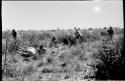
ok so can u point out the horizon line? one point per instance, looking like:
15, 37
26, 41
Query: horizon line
60, 28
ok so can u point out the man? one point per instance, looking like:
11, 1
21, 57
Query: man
14, 34
54, 41
110, 32
77, 35
41, 50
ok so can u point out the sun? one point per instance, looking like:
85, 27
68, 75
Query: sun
96, 9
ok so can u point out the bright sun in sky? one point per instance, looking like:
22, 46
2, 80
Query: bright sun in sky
96, 9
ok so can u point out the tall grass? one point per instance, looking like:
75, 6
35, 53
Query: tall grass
111, 54
100, 59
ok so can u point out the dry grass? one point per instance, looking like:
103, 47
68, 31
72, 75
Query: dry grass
87, 60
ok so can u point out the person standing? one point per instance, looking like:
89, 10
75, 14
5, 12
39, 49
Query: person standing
110, 32
77, 35
14, 36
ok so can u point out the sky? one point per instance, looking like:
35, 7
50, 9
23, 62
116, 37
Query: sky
47, 15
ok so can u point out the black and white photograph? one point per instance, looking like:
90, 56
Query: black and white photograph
62, 40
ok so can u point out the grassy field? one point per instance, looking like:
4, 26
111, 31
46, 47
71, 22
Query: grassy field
96, 57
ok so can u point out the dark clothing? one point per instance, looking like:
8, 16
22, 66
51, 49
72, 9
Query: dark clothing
14, 34
41, 47
54, 40
65, 41
41, 51
77, 35
72, 41
110, 32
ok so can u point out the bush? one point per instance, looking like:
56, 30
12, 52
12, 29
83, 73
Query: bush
112, 57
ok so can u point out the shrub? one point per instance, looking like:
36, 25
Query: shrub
111, 56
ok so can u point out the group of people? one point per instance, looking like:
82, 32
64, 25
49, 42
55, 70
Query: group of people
109, 31
39, 50
77, 35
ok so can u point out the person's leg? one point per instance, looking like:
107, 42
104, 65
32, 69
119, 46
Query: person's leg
15, 44
110, 37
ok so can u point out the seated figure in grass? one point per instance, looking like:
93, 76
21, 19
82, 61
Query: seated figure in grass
14, 39
41, 50
14, 34
53, 42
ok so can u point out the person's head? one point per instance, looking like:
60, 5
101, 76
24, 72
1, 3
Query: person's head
41, 47
105, 28
78, 28
110, 27
13, 30
53, 38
